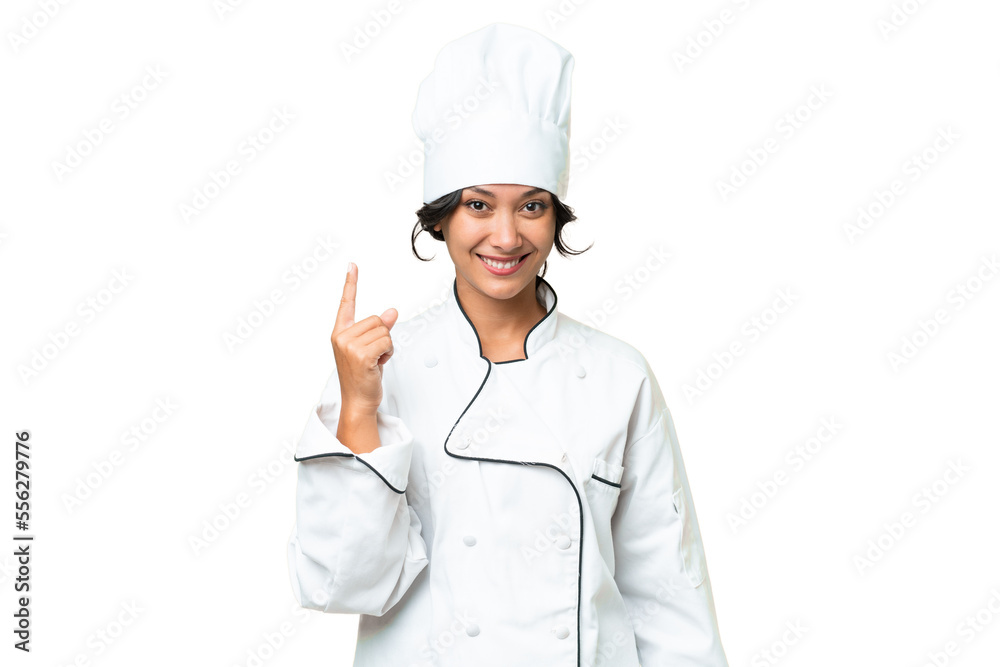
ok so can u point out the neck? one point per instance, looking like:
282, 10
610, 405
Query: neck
501, 320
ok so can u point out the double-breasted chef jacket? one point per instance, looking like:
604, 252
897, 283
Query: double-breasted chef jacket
527, 512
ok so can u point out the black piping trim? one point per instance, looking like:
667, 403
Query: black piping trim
555, 300
608, 482
579, 502
380, 476
320, 456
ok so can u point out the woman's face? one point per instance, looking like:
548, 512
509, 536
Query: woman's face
504, 222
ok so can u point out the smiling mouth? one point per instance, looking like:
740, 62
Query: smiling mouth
487, 260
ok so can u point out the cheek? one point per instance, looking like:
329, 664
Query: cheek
549, 237
460, 232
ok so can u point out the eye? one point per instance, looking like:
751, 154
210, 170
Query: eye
472, 203
539, 206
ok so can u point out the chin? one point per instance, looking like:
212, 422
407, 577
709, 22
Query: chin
503, 287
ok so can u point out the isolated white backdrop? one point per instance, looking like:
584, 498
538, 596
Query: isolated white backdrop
653, 136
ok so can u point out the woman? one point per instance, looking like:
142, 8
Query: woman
496, 483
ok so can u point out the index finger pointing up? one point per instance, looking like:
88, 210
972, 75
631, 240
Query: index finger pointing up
345, 314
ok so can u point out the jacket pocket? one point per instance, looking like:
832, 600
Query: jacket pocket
602, 489
692, 551
608, 473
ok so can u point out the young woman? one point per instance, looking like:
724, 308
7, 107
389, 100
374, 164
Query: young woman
493, 482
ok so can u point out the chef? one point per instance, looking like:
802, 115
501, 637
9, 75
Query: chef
492, 482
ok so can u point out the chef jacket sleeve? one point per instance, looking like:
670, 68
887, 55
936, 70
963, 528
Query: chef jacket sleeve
356, 545
660, 565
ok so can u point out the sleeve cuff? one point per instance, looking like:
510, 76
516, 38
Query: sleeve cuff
390, 461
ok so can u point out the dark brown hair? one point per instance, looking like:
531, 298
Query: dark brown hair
438, 210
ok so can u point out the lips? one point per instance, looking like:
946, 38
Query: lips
514, 268
503, 260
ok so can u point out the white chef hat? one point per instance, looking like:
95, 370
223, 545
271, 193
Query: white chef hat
496, 109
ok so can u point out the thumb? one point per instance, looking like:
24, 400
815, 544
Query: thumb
389, 317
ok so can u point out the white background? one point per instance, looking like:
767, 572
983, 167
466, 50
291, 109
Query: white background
683, 128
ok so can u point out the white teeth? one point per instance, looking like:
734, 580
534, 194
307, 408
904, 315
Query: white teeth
498, 265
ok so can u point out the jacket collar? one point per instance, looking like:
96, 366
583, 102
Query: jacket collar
543, 332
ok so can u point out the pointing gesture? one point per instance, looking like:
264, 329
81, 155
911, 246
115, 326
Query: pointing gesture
360, 350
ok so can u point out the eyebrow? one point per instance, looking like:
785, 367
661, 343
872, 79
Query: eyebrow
484, 191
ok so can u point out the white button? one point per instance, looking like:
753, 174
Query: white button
472, 629
562, 632
563, 542
470, 540
460, 440
430, 361
580, 371
467, 439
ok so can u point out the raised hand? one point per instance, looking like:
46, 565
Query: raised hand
360, 349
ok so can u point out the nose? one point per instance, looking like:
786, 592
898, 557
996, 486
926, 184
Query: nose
505, 233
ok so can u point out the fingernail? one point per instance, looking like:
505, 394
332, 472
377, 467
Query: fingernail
349, 265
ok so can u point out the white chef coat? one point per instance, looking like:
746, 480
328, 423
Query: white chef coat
526, 512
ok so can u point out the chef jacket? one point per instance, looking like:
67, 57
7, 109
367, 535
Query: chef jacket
529, 511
